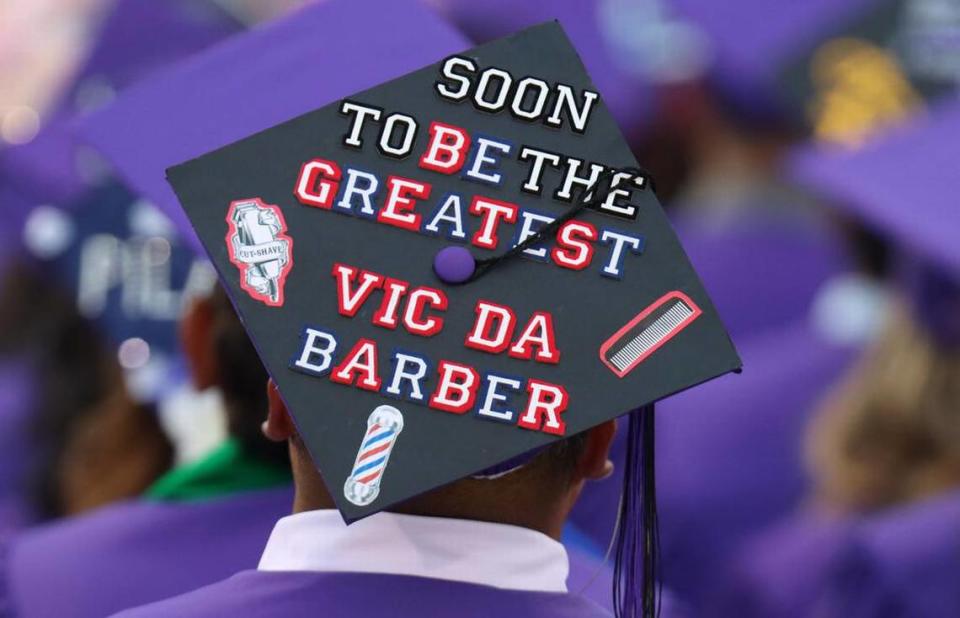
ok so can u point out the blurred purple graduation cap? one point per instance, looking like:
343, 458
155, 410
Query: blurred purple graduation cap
904, 185
762, 272
767, 60
289, 70
136, 38
751, 39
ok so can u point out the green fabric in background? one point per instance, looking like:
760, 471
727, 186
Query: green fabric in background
226, 470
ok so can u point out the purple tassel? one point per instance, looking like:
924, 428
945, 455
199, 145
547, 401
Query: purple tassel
636, 587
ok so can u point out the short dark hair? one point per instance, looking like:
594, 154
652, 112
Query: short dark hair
560, 459
243, 382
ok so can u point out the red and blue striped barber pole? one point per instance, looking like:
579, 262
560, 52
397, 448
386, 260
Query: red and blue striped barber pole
383, 426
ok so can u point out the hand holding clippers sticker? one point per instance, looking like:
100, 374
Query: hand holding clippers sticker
259, 246
383, 426
645, 333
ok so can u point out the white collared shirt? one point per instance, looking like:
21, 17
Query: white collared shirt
475, 552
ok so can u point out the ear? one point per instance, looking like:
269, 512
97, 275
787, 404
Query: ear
196, 339
279, 426
595, 462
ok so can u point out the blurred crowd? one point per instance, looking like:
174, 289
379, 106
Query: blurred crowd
807, 155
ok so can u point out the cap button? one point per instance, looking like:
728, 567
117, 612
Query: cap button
454, 264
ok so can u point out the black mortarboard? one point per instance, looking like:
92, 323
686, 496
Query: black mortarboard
370, 247
326, 229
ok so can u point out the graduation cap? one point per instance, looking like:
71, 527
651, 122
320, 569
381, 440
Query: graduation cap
873, 68
903, 184
122, 262
135, 38
840, 68
463, 263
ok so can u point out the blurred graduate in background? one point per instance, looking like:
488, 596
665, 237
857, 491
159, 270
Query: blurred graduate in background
881, 533
91, 305
93, 286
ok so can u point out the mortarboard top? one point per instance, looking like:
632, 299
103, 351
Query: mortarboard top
288, 69
591, 328
903, 184
627, 95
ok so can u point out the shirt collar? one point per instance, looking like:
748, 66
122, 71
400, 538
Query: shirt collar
475, 552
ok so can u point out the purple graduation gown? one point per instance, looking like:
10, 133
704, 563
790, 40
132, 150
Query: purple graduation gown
255, 594
905, 562
728, 456
137, 552
16, 397
762, 271
902, 562
783, 571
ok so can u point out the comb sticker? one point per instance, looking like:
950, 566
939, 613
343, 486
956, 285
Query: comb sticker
647, 332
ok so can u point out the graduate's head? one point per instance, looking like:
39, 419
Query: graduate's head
890, 433
538, 492
221, 356
92, 443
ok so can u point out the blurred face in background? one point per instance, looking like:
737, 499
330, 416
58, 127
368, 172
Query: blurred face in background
890, 433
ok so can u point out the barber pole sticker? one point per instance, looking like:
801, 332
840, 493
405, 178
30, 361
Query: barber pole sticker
647, 332
383, 426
